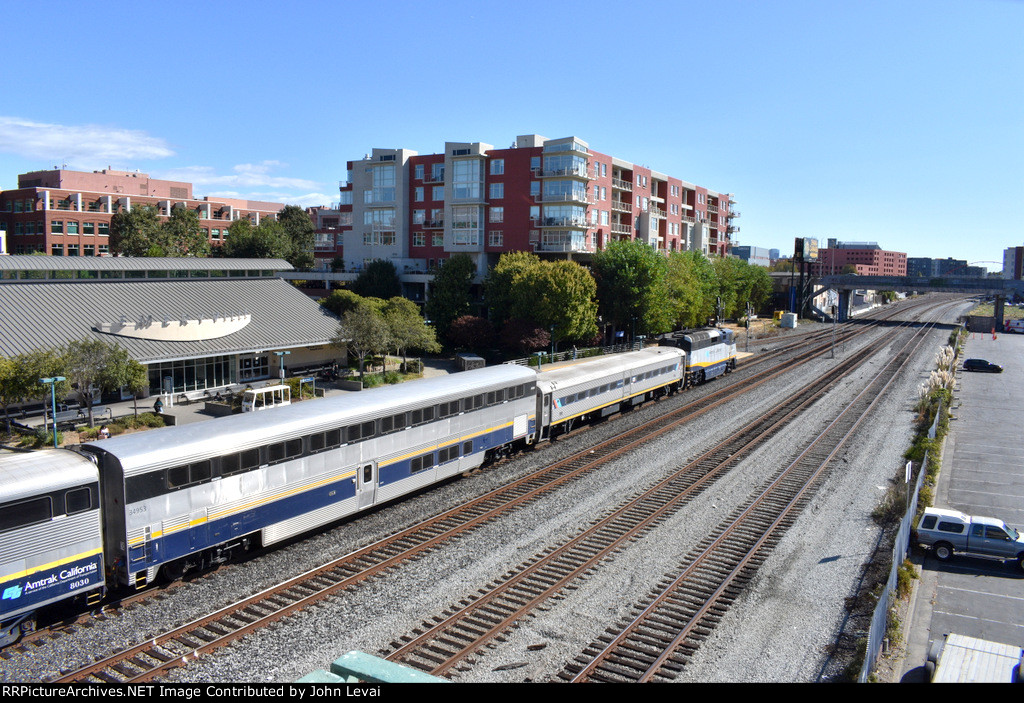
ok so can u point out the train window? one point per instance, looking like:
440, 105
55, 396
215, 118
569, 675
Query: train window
177, 477
200, 471
316, 442
28, 512
416, 417
362, 431
448, 409
332, 438
250, 459
229, 465
428, 414
77, 500
492, 398
422, 462
386, 425
447, 454
281, 451
467, 448
400, 421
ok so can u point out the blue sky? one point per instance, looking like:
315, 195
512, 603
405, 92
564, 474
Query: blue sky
898, 122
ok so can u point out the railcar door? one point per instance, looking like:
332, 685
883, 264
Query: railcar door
366, 485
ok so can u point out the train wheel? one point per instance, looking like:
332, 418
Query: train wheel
173, 570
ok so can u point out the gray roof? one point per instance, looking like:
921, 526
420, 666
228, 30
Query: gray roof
24, 262
50, 314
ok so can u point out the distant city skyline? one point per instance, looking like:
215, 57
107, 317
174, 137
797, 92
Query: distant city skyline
894, 122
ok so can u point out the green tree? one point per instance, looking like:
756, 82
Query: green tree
267, 241
341, 301
450, 291
559, 295
182, 234
408, 329
300, 233
691, 285
135, 232
502, 281
379, 279
631, 288
363, 332
19, 378
94, 366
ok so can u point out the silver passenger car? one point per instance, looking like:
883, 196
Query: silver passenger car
51, 546
603, 386
186, 497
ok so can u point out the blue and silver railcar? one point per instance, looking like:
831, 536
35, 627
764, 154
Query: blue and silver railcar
186, 497
601, 387
51, 545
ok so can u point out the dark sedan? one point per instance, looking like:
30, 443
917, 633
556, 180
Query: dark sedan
982, 365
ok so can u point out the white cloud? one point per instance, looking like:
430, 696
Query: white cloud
82, 146
245, 176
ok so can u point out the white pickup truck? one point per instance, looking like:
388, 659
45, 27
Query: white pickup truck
949, 531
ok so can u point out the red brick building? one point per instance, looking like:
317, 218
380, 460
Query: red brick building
555, 197
67, 213
867, 258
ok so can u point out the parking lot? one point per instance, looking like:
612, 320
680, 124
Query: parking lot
982, 474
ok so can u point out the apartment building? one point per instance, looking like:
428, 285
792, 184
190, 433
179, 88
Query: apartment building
555, 197
67, 213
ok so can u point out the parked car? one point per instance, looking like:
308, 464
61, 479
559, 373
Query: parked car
950, 531
982, 365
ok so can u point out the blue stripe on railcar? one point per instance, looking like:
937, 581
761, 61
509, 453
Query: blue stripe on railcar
173, 545
51, 583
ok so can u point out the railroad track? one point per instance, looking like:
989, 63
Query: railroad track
172, 649
665, 631
450, 640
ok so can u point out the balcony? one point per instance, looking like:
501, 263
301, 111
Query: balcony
434, 177
433, 224
622, 185
573, 197
622, 206
622, 230
563, 222
564, 242
565, 172
656, 212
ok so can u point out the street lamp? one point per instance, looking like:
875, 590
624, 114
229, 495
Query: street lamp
280, 362
53, 403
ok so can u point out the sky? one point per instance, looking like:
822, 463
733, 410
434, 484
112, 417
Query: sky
898, 122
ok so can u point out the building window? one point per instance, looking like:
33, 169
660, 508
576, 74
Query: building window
418, 194
57, 227
89, 250
497, 214
604, 193
418, 172
497, 191
419, 239
437, 193
72, 250
495, 239
419, 216
88, 228
497, 167
103, 229
437, 240
534, 189
57, 250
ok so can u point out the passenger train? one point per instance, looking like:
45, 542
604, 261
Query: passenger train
121, 511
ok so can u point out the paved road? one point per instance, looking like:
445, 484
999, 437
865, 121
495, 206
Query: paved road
982, 473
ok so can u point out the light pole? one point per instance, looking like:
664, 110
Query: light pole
53, 403
280, 362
